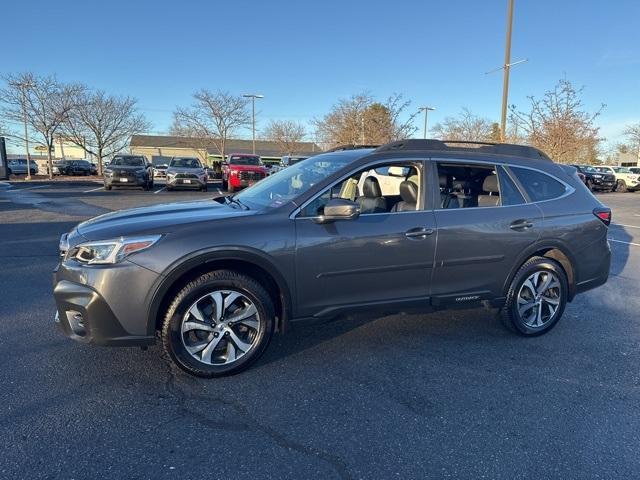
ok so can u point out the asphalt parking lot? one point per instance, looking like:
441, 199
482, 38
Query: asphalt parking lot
445, 395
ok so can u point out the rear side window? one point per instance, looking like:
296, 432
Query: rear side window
539, 186
508, 191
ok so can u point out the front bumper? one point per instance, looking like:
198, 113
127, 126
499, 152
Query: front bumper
108, 316
125, 181
599, 184
186, 182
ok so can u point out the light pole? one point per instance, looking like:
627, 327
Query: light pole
23, 87
507, 67
253, 97
426, 111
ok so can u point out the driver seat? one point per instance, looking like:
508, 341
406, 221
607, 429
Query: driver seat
372, 200
409, 194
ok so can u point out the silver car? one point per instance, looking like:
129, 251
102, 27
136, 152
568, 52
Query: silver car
186, 172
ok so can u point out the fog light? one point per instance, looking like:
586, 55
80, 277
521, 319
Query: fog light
76, 322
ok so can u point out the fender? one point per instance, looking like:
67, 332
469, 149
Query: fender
200, 257
544, 244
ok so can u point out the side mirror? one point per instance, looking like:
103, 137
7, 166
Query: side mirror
339, 209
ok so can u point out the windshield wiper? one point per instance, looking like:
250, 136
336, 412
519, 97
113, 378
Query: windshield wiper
232, 200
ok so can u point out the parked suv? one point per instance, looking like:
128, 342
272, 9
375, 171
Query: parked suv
74, 167
186, 172
128, 171
19, 167
596, 180
242, 170
416, 225
626, 180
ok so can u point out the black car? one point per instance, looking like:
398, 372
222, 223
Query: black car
416, 225
129, 171
595, 180
73, 167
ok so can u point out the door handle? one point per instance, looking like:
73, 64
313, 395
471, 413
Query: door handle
418, 232
521, 225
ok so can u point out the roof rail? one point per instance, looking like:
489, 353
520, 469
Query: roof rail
413, 144
350, 146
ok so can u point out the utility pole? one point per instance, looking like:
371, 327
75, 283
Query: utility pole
426, 111
23, 86
253, 97
507, 67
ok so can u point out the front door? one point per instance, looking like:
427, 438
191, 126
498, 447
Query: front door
379, 258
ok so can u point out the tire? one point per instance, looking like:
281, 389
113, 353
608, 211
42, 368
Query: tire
589, 185
168, 188
515, 314
204, 188
108, 187
621, 186
231, 189
198, 296
225, 184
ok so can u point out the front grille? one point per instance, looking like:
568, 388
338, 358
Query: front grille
250, 176
609, 178
186, 175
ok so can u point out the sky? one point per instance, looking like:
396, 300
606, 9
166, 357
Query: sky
303, 56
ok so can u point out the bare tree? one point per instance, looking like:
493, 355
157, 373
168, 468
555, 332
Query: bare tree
47, 104
361, 120
103, 124
214, 116
467, 127
632, 132
287, 134
558, 124
193, 138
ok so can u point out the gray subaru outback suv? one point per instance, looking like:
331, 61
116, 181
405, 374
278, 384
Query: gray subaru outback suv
415, 225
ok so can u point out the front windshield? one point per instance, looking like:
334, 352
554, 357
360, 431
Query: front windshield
186, 163
244, 160
622, 170
589, 169
279, 188
128, 161
602, 169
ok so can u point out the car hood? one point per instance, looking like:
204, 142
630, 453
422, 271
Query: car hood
184, 170
156, 219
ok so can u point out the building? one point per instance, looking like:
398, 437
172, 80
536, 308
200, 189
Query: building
160, 148
627, 159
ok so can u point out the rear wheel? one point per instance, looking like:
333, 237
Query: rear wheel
219, 324
536, 298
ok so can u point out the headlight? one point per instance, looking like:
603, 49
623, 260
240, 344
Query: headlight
597, 176
110, 251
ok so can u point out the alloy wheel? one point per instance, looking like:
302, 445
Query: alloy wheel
221, 327
539, 298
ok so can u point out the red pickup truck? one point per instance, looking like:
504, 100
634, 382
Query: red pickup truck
242, 170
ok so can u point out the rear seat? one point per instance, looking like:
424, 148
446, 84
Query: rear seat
491, 199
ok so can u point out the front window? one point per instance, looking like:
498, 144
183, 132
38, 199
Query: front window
185, 163
244, 160
621, 170
128, 161
279, 188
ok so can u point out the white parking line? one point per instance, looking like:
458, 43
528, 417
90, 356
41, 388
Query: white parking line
219, 191
93, 190
627, 243
623, 225
158, 191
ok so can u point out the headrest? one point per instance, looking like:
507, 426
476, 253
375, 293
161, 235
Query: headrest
490, 184
461, 185
444, 180
371, 188
409, 191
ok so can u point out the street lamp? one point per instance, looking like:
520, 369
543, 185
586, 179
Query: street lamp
253, 97
426, 110
23, 87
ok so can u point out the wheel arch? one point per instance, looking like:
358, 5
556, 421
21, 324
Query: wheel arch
253, 263
554, 250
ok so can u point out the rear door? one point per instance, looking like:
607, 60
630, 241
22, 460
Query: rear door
478, 242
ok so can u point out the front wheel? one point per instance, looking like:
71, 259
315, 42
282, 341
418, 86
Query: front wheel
536, 298
590, 185
621, 186
219, 324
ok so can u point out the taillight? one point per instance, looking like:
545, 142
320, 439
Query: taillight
603, 214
